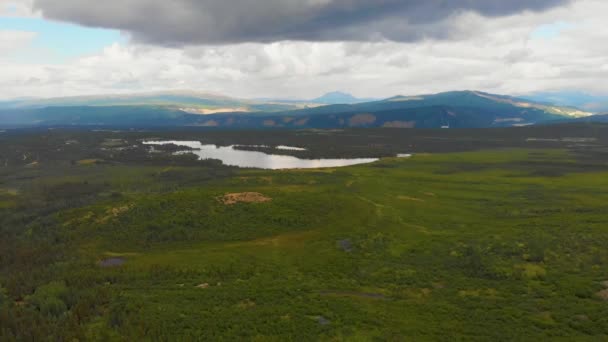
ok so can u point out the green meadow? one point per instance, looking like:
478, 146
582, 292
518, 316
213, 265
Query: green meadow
504, 244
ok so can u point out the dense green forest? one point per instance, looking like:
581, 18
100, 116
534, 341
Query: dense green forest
481, 235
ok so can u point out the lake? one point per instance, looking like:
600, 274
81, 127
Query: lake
260, 160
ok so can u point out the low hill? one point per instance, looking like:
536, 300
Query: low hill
132, 116
188, 101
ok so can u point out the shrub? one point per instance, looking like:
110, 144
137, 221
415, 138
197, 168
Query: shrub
50, 299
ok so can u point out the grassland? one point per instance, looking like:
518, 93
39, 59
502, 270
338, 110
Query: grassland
502, 244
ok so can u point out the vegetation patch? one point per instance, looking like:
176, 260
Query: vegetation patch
114, 213
487, 256
532, 271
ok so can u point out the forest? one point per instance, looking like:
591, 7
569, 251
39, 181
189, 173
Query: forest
490, 234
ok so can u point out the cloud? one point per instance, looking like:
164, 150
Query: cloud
193, 22
12, 40
16, 8
499, 55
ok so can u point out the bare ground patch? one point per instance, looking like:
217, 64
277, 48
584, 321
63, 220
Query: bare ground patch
244, 197
603, 294
114, 213
361, 120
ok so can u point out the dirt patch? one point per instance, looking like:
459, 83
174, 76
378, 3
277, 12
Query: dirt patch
269, 123
246, 304
210, 123
244, 197
301, 122
114, 212
9, 192
603, 294
203, 286
361, 120
266, 179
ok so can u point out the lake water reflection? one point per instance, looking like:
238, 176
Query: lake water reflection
253, 159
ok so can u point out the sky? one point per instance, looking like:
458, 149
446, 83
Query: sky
301, 48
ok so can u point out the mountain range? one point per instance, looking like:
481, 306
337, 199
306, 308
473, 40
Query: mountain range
457, 109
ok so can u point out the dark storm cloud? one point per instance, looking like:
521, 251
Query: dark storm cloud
183, 22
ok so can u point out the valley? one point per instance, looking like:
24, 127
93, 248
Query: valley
491, 234
319, 170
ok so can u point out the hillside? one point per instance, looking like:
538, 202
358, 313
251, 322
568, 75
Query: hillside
188, 101
491, 103
463, 109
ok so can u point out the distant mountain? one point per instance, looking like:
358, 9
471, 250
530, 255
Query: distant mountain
585, 101
338, 97
459, 109
189, 101
484, 103
119, 116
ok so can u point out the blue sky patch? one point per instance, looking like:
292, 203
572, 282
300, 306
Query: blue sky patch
551, 31
62, 41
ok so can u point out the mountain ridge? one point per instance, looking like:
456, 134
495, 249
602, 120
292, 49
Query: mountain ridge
456, 109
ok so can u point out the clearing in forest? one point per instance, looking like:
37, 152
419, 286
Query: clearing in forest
244, 197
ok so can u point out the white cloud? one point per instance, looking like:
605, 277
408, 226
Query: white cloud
11, 41
17, 8
498, 55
